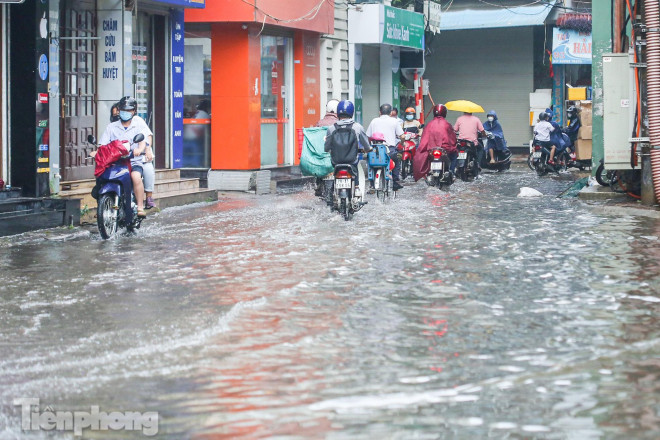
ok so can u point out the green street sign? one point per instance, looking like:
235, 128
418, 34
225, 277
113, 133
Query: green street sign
403, 28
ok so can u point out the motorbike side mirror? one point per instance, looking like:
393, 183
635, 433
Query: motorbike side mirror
422, 126
138, 138
91, 139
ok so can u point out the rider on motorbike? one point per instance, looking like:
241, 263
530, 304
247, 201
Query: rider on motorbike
437, 133
410, 124
573, 126
338, 153
495, 135
556, 137
469, 127
542, 134
393, 132
128, 126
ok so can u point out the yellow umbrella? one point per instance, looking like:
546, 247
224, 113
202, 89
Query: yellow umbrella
464, 106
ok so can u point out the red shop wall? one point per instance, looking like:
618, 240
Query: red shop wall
275, 12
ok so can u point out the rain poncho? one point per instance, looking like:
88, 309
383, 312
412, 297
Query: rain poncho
437, 133
556, 136
499, 143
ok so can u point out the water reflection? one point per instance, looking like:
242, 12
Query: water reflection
461, 314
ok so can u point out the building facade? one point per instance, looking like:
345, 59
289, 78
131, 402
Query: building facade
87, 55
252, 77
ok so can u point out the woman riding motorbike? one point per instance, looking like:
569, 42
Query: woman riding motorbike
495, 134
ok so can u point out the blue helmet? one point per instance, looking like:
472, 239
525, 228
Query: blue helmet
345, 108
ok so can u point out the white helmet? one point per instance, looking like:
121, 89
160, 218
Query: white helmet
331, 106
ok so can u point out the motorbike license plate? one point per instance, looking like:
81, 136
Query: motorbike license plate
462, 155
343, 183
537, 155
436, 165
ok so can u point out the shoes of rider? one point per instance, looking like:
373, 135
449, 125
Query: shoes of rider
396, 186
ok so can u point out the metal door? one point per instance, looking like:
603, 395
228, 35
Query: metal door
78, 82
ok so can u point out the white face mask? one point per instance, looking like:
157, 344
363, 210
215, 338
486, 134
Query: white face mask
409, 117
491, 118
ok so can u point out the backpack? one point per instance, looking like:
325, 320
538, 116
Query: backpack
344, 143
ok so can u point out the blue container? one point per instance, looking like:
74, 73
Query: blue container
378, 157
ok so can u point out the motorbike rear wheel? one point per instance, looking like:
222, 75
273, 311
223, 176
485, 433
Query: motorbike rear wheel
541, 168
603, 177
530, 162
344, 209
106, 216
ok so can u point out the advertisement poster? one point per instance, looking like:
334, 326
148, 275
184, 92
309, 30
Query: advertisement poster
42, 74
177, 87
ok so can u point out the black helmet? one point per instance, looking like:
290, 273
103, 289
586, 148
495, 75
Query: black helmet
128, 103
571, 111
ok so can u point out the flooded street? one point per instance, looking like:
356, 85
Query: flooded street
465, 314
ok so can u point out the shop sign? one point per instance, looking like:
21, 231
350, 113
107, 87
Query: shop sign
403, 28
185, 3
178, 48
570, 47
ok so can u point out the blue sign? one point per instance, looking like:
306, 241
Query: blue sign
43, 147
178, 47
570, 47
43, 67
185, 3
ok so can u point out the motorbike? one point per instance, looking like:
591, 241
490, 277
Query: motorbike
571, 159
467, 165
406, 149
502, 160
539, 159
379, 174
114, 191
439, 174
347, 199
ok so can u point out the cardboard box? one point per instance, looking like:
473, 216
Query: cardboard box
584, 132
577, 93
585, 113
583, 149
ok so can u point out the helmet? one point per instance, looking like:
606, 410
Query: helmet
331, 106
440, 110
345, 108
385, 109
543, 116
378, 137
571, 111
410, 110
127, 103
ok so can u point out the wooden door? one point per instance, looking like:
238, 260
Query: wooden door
78, 84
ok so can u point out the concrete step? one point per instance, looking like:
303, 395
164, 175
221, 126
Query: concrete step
73, 185
291, 183
12, 193
178, 198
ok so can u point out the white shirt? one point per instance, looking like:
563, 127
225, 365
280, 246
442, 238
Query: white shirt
116, 131
388, 126
542, 131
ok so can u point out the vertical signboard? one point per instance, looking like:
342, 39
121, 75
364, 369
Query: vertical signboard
42, 113
358, 83
558, 95
140, 70
54, 94
109, 59
176, 17
396, 79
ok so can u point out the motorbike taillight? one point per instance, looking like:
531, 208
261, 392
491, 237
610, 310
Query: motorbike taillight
461, 151
437, 154
343, 174
537, 147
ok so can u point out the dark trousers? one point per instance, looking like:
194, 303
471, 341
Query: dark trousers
396, 172
453, 157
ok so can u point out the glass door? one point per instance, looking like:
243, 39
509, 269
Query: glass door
276, 101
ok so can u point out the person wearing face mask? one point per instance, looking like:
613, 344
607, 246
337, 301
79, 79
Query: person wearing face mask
495, 134
125, 129
572, 128
410, 124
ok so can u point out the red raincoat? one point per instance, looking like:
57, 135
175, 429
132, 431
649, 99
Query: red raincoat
437, 133
109, 154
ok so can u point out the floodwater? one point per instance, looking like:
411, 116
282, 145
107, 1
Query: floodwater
465, 314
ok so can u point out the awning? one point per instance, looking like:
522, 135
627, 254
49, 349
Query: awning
184, 3
517, 16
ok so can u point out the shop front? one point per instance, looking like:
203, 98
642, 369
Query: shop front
252, 78
377, 37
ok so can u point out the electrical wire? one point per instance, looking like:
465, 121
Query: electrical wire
310, 15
